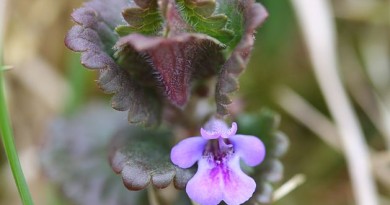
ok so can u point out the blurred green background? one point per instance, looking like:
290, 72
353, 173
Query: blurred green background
48, 80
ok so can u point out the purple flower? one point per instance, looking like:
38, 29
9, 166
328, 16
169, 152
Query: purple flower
218, 152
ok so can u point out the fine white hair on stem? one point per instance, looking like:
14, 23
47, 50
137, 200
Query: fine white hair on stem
316, 20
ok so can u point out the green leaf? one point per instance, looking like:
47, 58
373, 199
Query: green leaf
199, 14
142, 157
147, 21
264, 124
234, 10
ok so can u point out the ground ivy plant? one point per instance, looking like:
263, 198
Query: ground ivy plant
172, 65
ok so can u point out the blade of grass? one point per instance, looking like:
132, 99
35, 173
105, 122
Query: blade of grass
301, 110
152, 196
9, 145
318, 28
289, 186
5, 68
6, 129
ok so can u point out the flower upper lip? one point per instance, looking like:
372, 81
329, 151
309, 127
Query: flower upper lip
217, 130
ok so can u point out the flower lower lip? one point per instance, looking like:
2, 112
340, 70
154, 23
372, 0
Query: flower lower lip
219, 165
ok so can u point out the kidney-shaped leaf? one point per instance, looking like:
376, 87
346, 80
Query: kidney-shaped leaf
141, 157
74, 157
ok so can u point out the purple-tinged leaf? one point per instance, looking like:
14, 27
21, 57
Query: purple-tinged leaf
185, 44
175, 22
141, 157
145, 3
93, 36
254, 15
176, 59
74, 157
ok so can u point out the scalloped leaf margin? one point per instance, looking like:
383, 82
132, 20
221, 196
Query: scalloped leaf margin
254, 15
142, 157
93, 37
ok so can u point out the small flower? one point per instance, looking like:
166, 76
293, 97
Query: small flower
218, 152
